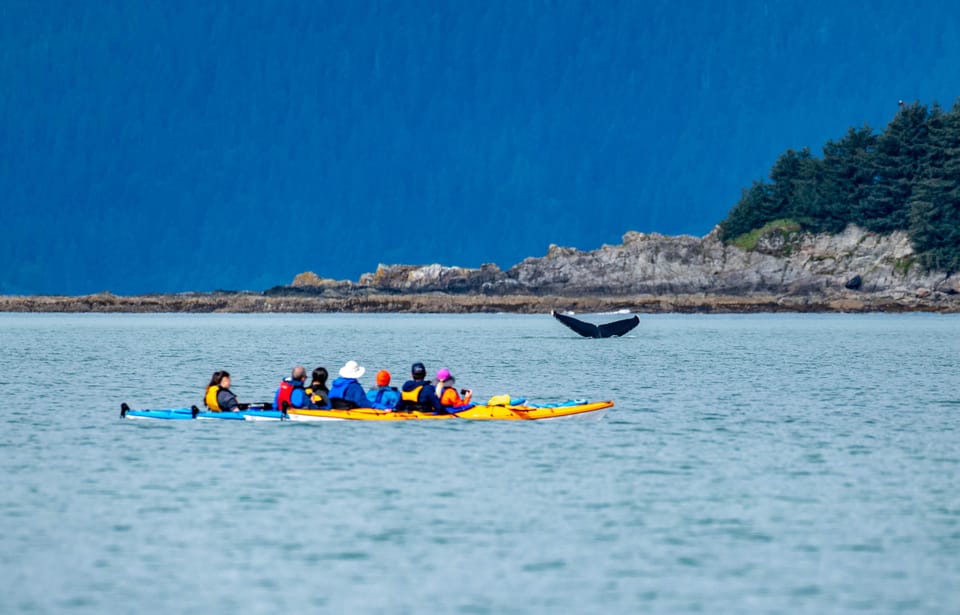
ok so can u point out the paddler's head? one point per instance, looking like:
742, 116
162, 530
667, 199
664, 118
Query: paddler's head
418, 371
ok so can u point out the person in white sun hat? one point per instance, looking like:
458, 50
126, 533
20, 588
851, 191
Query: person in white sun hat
346, 392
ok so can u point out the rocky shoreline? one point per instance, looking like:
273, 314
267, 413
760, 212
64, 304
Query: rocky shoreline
854, 271
250, 303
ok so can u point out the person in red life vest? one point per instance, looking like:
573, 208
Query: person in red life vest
419, 394
291, 391
447, 390
384, 397
347, 392
219, 397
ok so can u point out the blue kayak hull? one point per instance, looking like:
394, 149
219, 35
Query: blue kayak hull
171, 414
180, 414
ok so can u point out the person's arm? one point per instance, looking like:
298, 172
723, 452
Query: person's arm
227, 401
298, 398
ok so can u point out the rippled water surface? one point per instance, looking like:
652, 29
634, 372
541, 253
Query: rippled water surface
769, 464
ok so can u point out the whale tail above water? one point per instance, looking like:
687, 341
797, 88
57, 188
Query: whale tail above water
588, 329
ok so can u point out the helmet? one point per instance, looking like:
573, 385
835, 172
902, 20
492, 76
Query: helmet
418, 371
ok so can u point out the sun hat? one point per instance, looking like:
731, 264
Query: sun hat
443, 374
383, 378
352, 370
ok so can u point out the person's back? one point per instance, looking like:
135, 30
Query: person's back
384, 397
418, 393
347, 392
291, 393
317, 392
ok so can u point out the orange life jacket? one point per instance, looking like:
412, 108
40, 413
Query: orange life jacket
450, 397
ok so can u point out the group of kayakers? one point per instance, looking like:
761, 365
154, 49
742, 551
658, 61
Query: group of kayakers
346, 392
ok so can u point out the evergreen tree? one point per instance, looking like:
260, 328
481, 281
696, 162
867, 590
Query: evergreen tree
754, 209
935, 201
790, 174
901, 150
848, 170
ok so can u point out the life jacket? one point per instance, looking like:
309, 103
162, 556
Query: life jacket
317, 396
450, 397
285, 392
378, 401
210, 398
413, 395
409, 400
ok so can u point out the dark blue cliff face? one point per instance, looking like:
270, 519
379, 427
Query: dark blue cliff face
186, 146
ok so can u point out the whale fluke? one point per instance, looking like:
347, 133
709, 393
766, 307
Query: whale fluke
588, 329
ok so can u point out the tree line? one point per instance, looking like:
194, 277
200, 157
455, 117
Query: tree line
905, 178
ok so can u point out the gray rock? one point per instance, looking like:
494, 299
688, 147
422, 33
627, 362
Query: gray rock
785, 264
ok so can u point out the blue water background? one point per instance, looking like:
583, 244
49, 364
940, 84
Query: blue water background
764, 463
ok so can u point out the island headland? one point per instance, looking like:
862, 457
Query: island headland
784, 271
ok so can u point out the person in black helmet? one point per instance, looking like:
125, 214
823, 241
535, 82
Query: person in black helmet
419, 394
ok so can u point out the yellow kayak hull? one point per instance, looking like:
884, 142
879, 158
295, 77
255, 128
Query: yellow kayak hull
475, 413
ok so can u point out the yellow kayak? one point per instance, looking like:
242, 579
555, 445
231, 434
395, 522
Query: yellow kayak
474, 413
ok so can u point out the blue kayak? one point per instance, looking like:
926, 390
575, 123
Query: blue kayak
178, 414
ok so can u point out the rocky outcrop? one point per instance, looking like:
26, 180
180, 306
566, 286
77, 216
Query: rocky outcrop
432, 278
792, 264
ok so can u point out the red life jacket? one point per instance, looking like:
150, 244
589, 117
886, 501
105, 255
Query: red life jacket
284, 393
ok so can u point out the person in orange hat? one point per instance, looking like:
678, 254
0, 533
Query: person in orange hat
384, 397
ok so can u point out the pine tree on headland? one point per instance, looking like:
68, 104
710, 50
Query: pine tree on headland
901, 151
935, 201
848, 169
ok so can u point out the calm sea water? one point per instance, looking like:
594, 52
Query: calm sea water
768, 464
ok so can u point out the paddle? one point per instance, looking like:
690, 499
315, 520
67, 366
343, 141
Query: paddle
263, 405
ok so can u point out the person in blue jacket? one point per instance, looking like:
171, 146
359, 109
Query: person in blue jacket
347, 392
291, 391
419, 394
384, 397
